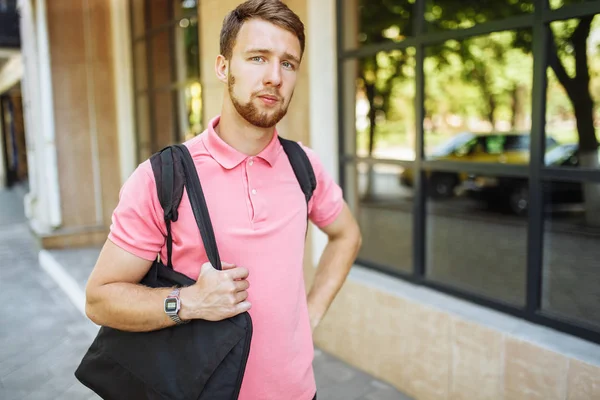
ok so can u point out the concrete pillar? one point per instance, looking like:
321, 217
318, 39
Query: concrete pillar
79, 120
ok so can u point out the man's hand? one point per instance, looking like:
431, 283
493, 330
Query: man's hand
216, 295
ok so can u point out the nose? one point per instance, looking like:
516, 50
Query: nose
273, 75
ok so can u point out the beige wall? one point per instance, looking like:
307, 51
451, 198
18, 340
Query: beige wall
84, 111
430, 354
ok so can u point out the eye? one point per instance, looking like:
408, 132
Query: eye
288, 65
257, 59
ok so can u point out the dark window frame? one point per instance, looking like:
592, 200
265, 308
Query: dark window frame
536, 171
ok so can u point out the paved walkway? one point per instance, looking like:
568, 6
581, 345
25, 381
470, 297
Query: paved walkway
44, 334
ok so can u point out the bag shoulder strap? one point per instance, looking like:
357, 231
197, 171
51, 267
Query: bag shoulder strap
199, 207
174, 169
302, 167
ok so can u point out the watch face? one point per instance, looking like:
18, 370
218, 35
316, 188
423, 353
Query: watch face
171, 305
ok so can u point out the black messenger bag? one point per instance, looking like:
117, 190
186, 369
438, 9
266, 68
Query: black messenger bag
200, 360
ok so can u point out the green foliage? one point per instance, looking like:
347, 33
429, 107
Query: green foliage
485, 79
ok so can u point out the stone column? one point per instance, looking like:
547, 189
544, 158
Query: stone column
78, 139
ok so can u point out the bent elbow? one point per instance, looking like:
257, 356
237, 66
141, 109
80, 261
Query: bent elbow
91, 307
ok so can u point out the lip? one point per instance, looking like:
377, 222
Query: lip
269, 98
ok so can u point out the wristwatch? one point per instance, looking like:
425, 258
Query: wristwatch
173, 305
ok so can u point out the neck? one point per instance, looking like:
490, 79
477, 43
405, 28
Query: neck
240, 134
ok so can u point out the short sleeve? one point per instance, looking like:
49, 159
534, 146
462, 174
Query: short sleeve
136, 223
327, 201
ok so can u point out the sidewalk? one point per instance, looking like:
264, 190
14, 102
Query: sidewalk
45, 333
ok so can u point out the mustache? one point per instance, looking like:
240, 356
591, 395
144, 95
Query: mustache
270, 93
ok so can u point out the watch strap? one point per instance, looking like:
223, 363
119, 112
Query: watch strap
175, 316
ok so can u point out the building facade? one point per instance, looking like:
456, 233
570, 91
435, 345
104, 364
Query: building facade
462, 132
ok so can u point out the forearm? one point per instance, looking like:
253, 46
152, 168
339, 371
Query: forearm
128, 307
334, 266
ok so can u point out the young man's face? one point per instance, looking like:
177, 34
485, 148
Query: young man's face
262, 72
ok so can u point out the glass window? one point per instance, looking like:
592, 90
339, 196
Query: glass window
573, 93
187, 49
190, 111
169, 84
383, 206
572, 232
451, 14
477, 233
368, 22
554, 4
185, 8
384, 123
478, 99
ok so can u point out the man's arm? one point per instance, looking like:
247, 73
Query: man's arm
115, 299
335, 263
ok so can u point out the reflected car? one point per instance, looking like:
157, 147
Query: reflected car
504, 148
514, 192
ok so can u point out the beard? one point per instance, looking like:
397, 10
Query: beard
250, 112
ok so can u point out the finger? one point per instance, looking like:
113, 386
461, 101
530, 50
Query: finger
237, 273
242, 307
206, 267
241, 296
240, 285
226, 266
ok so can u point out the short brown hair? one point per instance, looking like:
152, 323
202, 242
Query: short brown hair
273, 11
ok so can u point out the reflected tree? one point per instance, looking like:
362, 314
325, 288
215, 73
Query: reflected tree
390, 20
568, 59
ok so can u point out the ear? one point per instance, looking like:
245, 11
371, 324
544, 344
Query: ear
222, 68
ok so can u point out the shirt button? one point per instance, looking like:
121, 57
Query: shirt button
251, 162
253, 191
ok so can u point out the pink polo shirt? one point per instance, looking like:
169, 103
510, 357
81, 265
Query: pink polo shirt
258, 212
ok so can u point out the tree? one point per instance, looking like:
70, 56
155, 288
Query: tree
571, 37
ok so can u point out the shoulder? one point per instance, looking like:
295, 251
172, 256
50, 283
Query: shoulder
196, 145
314, 158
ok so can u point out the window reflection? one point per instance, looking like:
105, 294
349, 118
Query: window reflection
478, 98
554, 4
185, 7
384, 212
169, 84
384, 111
190, 111
573, 92
377, 21
571, 252
451, 14
186, 42
477, 239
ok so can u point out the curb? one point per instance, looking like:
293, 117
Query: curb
62, 278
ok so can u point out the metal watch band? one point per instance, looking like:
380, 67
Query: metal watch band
175, 317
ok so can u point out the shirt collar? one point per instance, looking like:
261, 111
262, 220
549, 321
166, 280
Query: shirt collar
229, 157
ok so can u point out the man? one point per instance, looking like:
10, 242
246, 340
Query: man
258, 213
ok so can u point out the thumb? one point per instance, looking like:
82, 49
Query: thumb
225, 266
205, 268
